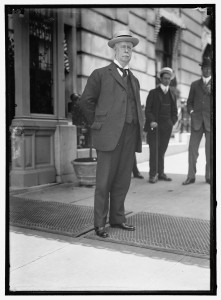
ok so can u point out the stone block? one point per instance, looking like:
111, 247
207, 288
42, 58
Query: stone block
93, 44
138, 62
151, 83
95, 22
65, 149
43, 149
27, 178
122, 15
190, 65
81, 83
151, 67
143, 79
191, 52
151, 50
192, 13
187, 78
28, 159
117, 26
191, 39
150, 34
150, 16
140, 12
23, 179
192, 25
142, 46
110, 12
138, 25
143, 97
184, 90
90, 63
47, 176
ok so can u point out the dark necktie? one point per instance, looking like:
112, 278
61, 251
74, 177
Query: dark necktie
124, 71
207, 86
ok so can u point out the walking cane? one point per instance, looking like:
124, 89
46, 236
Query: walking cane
156, 176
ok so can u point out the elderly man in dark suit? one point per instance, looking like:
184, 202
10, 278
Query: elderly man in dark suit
161, 115
111, 103
199, 105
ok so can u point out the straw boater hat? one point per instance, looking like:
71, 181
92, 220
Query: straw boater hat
123, 36
167, 71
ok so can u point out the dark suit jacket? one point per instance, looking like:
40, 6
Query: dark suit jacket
200, 101
153, 106
104, 103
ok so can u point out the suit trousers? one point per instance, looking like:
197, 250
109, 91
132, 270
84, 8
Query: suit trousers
195, 139
113, 178
164, 134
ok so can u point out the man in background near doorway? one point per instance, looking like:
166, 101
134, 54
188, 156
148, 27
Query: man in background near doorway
111, 103
199, 105
161, 115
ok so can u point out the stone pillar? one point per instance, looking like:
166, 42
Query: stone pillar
65, 152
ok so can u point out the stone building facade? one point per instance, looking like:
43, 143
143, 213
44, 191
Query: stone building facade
54, 52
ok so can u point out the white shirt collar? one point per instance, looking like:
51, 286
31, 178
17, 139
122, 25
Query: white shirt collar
164, 88
117, 63
206, 79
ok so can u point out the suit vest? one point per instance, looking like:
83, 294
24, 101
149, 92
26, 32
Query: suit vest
165, 111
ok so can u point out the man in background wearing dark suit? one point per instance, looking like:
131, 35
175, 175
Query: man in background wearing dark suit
111, 103
161, 115
198, 104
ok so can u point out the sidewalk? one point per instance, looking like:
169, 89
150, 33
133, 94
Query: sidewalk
48, 262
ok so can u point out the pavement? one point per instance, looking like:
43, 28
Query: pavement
41, 261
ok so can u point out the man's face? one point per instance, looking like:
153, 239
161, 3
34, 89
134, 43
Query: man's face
206, 71
165, 79
123, 52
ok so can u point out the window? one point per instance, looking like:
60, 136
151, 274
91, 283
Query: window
41, 61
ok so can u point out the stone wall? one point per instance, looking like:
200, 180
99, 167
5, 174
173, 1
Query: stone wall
97, 26
93, 36
191, 50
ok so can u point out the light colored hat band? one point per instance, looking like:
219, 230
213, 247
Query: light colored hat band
166, 72
123, 38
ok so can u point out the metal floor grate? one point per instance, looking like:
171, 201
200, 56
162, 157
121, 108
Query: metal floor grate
178, 235
61, 218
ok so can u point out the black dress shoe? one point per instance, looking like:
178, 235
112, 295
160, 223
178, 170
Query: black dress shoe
100, 231
208, 180
189, 181
153, 179
124, 226
164, 177
138, 175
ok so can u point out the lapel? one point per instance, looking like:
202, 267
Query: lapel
201, 84
116, 75
172, 95
160, 94
134, 85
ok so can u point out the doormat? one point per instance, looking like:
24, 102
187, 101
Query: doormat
49, 216
178, 235
54, 217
